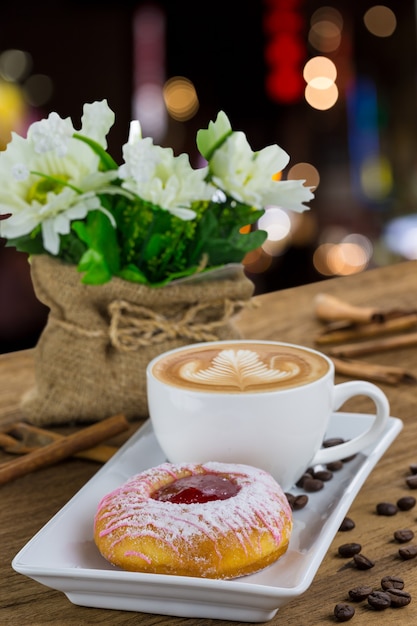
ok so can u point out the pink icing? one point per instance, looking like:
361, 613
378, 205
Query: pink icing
259, 503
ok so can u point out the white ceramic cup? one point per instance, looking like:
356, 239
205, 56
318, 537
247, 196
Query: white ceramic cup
262, 403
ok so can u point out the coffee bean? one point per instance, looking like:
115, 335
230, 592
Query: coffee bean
347, 524
343, 612
300, 502
399, 597
403, 535
386, 508
392, 582
408, 553
324, 475
362, 562
312, 484
349, 549
379, 600
406, 503
357, 594
290, 498
349, 458
296, 502
413, 468
332, 441
300, 481
412, 481
335, 466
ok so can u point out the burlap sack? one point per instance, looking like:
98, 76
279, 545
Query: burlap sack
91, 358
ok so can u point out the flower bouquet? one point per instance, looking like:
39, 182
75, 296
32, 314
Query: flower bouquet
132, 260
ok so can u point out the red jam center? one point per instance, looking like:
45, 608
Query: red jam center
197, 489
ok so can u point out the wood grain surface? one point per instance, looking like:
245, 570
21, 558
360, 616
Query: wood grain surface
30, 501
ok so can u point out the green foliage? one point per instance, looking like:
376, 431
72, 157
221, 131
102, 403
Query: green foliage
218, 232
157, 247
150, 245
31, 244
101, 260
106, 160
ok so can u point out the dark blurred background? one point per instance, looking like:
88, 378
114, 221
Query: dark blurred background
334, 84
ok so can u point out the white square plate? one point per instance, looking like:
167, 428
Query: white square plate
62, 555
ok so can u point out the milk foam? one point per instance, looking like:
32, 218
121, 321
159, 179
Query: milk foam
243, 367
236, 368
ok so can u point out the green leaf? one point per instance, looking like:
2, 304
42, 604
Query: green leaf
95, 268
101, 260
155, 246
98, 233
218, 233
31, 244
133, 274
233, 249
106, 160
211, 138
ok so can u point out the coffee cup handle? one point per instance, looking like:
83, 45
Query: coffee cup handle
342, 393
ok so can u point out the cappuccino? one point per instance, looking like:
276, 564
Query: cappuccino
250, 367
262, 403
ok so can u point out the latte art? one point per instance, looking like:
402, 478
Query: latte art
237, 368
240, 367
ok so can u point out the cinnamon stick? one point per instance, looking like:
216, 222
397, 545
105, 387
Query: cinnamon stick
63, 448
382, 344
373, 329
330, 308
370, 371
22, 438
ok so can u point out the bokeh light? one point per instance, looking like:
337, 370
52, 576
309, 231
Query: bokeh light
350, 255
361, 240
38, 89
306, 172
321, 91
321, 99
376, 178
180, 98
149, 70
380, 21
12, 111
257, 261
149, 108
15, 64
401, 236
320, 72
276, 222
325, 32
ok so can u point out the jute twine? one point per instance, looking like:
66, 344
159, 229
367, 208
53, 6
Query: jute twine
90, 361
133, 326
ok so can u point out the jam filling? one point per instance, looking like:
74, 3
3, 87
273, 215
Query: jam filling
197, 489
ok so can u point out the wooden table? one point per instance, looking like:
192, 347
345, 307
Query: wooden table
30, 501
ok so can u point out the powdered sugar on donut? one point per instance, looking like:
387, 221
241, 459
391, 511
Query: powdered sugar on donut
129, 515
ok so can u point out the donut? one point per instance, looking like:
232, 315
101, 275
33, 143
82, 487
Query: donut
211, 520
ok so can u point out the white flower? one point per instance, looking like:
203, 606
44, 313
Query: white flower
288, 194
42, 187
54, 216
20, 171
248, 176
96, 121
58, 174
135, 131
141, 159
52, 133
165, 180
